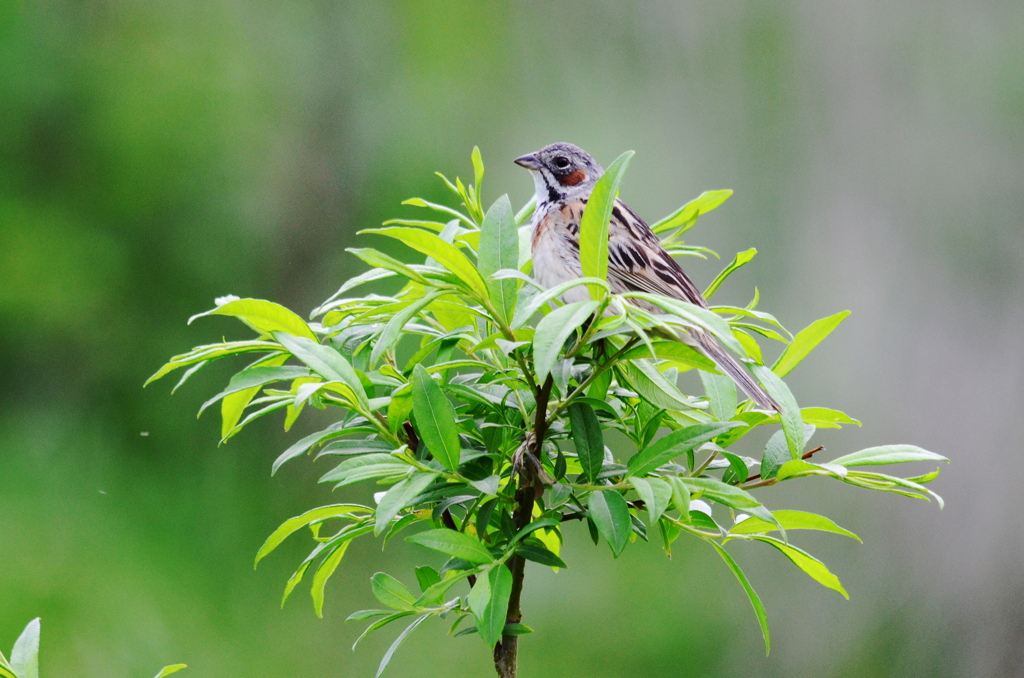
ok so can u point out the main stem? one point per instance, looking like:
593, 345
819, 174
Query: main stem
506, 652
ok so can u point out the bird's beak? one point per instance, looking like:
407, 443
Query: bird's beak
529, 161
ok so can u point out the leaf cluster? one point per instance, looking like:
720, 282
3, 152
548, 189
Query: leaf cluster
483, 406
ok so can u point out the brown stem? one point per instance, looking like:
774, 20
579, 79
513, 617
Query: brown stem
506, 651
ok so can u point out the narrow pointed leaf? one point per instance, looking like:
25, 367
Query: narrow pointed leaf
759, 611
792, 422
25, 655
887, 454
738, 261
552, 332
386, 659
391, 592
805, 341
435, 419
813, 567
610, 514
499, 249
444, 253
323, 573
325, 361
454, 544
588, 439
721, 391
488, 600
595, 221
168, 670
656, 494
398, 497
791, 520
687, 215
292, 525
263, 316
669, 447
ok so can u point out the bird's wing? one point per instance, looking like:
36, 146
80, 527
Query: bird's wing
637, 261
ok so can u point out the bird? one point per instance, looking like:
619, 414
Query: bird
564, 176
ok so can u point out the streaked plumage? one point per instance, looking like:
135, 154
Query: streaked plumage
564, 175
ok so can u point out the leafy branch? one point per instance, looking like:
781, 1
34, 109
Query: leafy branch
481, 403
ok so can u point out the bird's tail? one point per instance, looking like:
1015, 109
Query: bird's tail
737, 372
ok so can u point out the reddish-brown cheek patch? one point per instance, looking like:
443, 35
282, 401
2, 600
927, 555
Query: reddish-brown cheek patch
573, 179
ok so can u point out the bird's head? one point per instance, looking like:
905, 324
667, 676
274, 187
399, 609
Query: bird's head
561, 172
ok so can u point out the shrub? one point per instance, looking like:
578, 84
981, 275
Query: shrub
481, 403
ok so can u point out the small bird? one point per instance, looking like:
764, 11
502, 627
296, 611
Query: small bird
564, 176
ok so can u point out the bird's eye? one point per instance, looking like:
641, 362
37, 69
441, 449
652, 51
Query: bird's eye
561, 162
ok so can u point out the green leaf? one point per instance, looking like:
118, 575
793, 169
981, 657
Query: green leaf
674, 351
254, 377
454, 544
686, 216
776, 453
499, 249
655, 493
426, 577
540, 554
721, 391
608, 510
207, 352
380, 623
436, 591
792, 422
759, 611
326, 362
805, 341
25, 655
168, 670
534, 526
694, 316
814, 568
516, 629
435, 419
553, 330
669, 447
588, 439
738, 261
393, 330
527, 311
235, 401
292, 525
323, 573
790, 520
488, 600
478, 169
715, 489
595, 221
386, 659
381, 260
366, 467
263, 316
444, 253
391, 592
303, 445
823, 417
398, 497
680, 494
888, 454
653, 386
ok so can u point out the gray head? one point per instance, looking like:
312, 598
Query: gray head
561, 172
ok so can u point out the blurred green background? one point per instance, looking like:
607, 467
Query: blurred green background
155, 155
